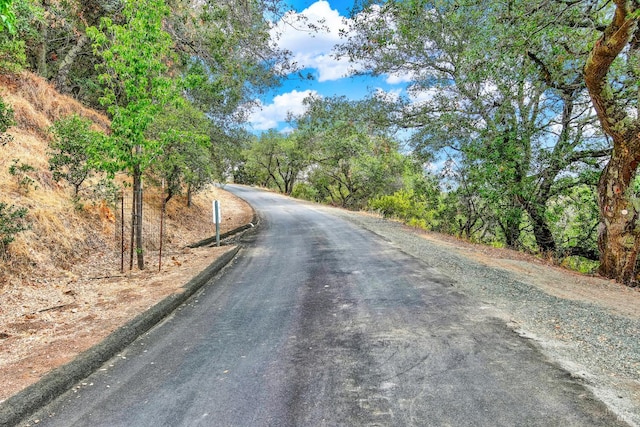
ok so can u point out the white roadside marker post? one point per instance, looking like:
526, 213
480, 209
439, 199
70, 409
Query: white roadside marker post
217, 218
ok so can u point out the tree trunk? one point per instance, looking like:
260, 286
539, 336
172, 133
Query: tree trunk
62, 78
511, 230
541, 230
41, 52
137, 200
542, 233
618, 237
510, 221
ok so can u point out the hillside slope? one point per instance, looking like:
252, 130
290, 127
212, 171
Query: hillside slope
61, 288
59, 235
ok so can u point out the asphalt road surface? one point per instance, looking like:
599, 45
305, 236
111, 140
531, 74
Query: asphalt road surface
320, 323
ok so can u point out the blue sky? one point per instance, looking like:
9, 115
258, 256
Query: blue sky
314, 53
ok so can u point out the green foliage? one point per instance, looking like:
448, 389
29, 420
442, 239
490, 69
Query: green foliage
136, 84
418, 223
305, 191
580, 264
12, 221
506, 102
18, 48
7, 16
185, 160
71, 148
575, 217
242, 175
351, 152
21, 173
12, 54
135, 81
227, 54
403, 204
409, 207
12, 48
276, 160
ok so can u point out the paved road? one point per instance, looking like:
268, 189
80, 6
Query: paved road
320, 323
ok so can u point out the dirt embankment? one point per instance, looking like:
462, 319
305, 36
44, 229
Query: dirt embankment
61, 289
45, 321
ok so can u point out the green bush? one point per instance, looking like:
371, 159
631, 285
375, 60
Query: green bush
418, 223
12, 222
580, 264
12, 55
20, 171
400, 205
73, 141
305, 192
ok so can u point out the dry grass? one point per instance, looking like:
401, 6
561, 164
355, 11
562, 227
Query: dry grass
61, 289
37, 104
60, 234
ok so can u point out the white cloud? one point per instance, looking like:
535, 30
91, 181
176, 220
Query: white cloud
268, 116
424, 95
398, 78
388, 95
313, 49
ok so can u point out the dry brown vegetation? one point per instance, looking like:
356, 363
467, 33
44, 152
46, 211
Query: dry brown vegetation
61, 289
59, 235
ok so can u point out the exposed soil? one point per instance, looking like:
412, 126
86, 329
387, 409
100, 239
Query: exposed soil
46, 321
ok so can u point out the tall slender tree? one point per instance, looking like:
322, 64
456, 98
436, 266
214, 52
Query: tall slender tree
136, 86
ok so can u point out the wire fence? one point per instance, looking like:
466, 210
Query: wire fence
153, 221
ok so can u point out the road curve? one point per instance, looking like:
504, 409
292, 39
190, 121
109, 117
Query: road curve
321, 323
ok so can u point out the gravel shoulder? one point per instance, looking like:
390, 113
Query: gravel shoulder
587, 325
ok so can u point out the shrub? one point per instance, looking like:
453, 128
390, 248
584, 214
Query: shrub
12, 222
20, 171
73, 141
305, 191
404, 205
397, 205
418, 223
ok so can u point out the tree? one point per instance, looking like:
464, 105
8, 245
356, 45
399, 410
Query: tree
72, 48
611, 75
70, 150
184, 162
136, 86
495, 111
353, 154
15, 45
277, 160
226, 54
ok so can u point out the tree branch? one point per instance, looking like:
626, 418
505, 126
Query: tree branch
614, 39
